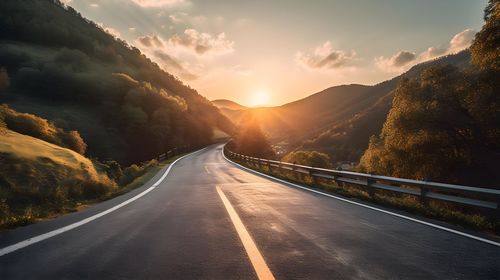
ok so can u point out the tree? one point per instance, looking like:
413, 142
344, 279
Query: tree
442, 126
485, 49
445, 125
308, 158
251, 141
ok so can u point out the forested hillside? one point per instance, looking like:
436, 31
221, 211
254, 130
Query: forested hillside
339, 120
445, 124
65, 68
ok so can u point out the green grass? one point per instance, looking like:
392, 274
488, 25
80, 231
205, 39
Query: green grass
462, 216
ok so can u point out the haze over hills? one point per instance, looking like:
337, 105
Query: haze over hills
338, 120
228, 104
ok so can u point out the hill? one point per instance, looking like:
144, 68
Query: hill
68, 70
338, 120
39, 179
228, 104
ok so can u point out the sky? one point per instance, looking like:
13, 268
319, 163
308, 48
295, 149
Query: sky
270, 52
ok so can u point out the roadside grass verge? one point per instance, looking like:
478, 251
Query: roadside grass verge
40, 180
442, 211
35, 211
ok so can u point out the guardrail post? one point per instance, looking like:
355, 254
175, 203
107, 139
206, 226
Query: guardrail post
497, 211
423, 198
370, 188
314, 178
337, 182
294, 173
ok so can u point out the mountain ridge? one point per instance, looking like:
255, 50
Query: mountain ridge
65, 68
338, 120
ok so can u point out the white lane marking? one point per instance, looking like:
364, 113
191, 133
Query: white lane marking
36, 239
491, 242
256, 258
206, 169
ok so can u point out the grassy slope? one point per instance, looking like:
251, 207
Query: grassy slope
32, 149
40, 180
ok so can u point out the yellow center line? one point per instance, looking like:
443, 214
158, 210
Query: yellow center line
206, 169
258, 262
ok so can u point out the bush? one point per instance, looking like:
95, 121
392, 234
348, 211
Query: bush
34, 188
135, 171
40, 128
112, 168
309, 158
251, 141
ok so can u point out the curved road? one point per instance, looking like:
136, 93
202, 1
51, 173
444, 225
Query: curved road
185, 229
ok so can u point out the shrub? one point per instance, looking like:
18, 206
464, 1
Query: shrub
309, 158
40, 128
136, 170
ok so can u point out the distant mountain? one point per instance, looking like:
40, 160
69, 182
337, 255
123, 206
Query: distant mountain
68, 70
338, 120
228, 104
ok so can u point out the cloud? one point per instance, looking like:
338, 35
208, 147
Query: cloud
397, 62
432, 52
157, 50
403, 60
324, 57
109, 30
152, 41
169, 64
202, 43
94, 5
112, 31
159, 3
461, 40
178, 17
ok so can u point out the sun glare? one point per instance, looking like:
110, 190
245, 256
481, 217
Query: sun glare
260, 98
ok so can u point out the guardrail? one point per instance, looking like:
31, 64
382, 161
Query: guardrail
176, 151
465, 195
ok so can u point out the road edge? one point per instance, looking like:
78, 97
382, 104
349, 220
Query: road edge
488, 241
30, 241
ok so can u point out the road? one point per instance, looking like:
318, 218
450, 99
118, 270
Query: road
193, 226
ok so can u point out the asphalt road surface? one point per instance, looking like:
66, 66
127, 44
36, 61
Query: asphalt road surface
209, 219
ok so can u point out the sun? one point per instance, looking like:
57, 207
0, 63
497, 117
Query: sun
260, 98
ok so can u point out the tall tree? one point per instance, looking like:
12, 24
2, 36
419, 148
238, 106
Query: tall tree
251, 141
485, 49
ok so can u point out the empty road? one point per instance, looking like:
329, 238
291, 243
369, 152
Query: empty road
209, 219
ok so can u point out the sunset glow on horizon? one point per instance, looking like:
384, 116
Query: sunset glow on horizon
226, 50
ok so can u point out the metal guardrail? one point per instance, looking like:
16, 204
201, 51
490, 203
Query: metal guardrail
465, 195
175, 151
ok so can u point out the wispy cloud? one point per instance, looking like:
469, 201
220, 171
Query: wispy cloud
403, 60
157, 49
202, 43
325, 57
109, 30
152, 41
397, 62
461, 40
160, 3
172, 64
